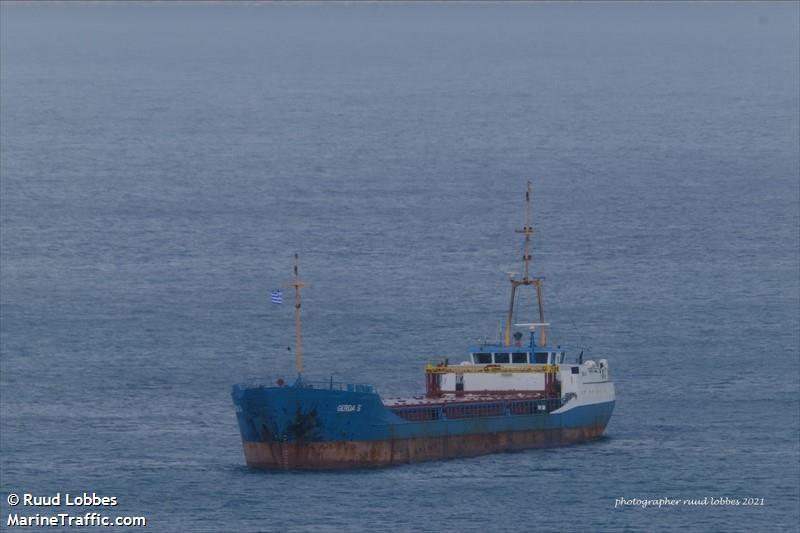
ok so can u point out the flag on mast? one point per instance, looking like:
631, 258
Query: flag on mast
277, 296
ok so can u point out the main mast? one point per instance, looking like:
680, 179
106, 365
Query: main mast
298, 337
527, 231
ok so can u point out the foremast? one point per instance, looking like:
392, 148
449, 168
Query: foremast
298, 335
526, 280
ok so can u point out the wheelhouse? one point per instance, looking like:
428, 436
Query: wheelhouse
505, 356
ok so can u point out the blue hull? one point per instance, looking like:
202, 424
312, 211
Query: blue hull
307, 428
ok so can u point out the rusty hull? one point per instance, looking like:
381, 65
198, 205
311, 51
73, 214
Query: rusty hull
371, 454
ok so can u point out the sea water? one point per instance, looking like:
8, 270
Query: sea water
161, 164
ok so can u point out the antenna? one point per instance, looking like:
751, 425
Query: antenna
298, 336
527, 230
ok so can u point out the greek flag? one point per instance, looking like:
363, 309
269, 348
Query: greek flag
277, 297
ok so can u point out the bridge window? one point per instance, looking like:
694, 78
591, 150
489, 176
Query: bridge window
540, 358
519, 358
502, 357
482, 358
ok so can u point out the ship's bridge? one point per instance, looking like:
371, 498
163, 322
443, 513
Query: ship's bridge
500, 368
497, 354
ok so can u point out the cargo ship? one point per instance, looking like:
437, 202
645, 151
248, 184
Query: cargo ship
517, 392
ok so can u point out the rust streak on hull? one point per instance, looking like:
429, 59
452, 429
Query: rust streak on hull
372, 454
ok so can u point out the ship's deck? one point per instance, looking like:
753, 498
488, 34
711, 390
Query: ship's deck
451, 398
476, 405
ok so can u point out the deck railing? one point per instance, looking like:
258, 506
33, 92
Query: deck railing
308, 384
491, 369
339, 385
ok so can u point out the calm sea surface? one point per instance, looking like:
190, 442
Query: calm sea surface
161, 164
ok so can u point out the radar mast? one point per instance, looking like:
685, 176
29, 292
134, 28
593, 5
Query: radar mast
527, 231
